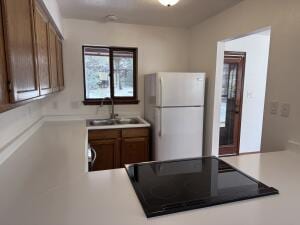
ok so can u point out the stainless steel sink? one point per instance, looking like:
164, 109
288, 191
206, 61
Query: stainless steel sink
128, 121
111, 122
107, 122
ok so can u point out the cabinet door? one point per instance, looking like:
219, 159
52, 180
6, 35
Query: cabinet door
106, 154
53, 58
4, 98
18, 25
134, 150
60, 68
41, 32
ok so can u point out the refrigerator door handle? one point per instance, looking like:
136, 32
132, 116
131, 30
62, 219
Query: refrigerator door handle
161, 91
160, 124
161, 111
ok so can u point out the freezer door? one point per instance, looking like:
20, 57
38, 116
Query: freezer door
178, 133
180, 89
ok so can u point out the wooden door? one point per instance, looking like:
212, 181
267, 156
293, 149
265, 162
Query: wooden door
106, 154
20, 49
60, 68
231, 103
4, 97
134, 150
53, 58
41, 32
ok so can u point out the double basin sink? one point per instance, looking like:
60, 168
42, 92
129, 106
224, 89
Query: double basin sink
111, 122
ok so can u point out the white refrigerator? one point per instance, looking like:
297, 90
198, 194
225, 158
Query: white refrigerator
174, 106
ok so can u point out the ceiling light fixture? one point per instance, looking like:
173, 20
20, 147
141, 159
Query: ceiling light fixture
168, 3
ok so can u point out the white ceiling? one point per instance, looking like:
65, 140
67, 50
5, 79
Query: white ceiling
149, 12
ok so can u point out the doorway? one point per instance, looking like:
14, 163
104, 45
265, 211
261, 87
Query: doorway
242, 66
231, 102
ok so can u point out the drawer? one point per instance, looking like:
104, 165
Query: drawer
104, 134
135, 132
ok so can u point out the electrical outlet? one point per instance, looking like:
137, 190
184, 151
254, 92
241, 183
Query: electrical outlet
285, 110
274, 108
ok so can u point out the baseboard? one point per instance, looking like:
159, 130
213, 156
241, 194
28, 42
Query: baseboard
12, 146
293, 145
250, 153
75, 117
71, 117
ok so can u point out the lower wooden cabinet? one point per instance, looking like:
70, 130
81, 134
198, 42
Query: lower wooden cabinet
134, 150
106, 151
116, 147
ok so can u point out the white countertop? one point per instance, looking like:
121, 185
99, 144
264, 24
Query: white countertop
44, 183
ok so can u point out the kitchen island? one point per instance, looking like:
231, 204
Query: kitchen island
45, 183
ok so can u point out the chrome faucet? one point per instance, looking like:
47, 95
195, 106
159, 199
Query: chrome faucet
112, 114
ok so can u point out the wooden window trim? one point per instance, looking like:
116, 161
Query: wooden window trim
117, 100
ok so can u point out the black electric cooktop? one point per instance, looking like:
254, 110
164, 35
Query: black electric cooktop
179, 185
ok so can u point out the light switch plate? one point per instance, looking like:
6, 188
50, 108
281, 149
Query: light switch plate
285, 110
274, 108
249, 94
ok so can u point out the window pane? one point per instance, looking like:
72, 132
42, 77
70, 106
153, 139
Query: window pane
97, 72
123, 73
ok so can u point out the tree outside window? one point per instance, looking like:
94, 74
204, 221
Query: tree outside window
110, 72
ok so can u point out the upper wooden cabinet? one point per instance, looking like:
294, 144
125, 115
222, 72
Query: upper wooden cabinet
53, 58
60, 67
30, 53
4, 99
20, 49
41, 34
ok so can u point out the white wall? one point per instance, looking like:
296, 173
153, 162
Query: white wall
283, 73
256, 47
53, 9
159, 49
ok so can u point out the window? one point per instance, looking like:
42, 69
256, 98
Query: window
110, 72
